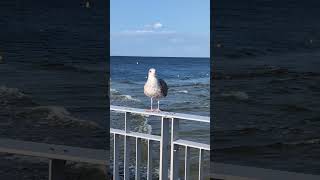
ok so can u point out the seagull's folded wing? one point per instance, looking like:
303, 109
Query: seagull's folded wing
163, 87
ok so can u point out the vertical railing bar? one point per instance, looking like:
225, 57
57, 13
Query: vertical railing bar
126, 150
56, 169
126, 157
174, 171
149, 163
201, 164
164, 149
138, 158
187, 163
116, 157
126, 124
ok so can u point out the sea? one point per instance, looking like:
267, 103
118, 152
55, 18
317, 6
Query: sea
188, 80
53, 83
266, 84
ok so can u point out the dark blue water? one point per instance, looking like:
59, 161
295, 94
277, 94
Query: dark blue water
267, 82
53, 81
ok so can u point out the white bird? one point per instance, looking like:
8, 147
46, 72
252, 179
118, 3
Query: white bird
155, 88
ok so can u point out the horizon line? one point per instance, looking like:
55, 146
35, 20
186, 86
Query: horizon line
161, 56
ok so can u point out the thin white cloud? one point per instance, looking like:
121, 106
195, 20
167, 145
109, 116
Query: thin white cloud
143, 31
157, 25
155, 28
146, 32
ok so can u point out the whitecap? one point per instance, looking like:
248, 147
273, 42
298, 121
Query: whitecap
56, 115
14, 92
184, 91
128, 97
113, 90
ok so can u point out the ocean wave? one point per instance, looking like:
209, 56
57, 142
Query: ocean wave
14, 97
145, 128
64, 67
294, 108
127, 81
251, 74
190, 84
238, 53
14, 92
116, 95
128, 97
183, 91
267, 71
113, 90
54, 116
19, 106
239, 95
139, 122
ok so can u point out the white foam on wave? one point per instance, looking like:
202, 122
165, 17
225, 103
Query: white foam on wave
146, 128
113, 90
117, 95
184, 91
13, 92
130, 98
308, 141
56, 115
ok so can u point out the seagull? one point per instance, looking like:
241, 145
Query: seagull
155, 88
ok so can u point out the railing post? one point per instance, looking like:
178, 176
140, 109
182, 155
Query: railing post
138, 157
187, 163
149, 163
201, 158
164, 149
174, 172
126, 150
56, 169
116, 157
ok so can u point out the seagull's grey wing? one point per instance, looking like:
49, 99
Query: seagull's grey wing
163, 87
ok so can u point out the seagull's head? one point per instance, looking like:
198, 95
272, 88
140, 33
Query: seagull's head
152, 72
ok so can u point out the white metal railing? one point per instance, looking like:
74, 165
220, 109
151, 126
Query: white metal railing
58, 155
235, 172
165, 142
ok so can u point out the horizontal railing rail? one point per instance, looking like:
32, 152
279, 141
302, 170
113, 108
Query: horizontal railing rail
168, 145
163, 114
221, 171
57, 154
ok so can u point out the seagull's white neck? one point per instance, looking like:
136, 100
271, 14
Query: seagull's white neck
152, 79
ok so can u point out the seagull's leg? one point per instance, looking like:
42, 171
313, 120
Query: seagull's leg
158, 106
151, 109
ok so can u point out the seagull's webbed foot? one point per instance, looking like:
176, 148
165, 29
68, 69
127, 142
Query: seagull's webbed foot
149, 110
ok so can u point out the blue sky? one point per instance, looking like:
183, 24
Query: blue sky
173, 28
